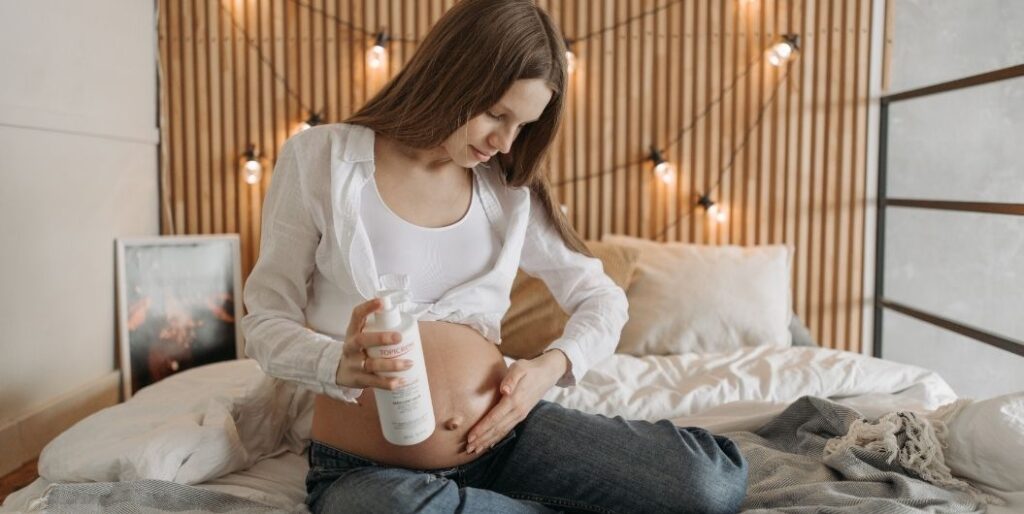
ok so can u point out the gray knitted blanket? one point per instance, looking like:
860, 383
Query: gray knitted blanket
143, 497
789, 474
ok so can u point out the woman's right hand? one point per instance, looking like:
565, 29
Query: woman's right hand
357, 369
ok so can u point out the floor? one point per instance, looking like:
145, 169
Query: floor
18, 478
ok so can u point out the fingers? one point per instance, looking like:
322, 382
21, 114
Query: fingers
379, 382
374, 365
493, 435
508, 384
356, 343
483, 435
368, 372
359, 314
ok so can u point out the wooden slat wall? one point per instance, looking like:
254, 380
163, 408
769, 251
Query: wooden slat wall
782, 149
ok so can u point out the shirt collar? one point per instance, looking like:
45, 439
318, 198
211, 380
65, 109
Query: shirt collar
359, 145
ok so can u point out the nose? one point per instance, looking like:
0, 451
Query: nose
502, 140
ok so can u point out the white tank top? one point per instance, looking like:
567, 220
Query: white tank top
435, 259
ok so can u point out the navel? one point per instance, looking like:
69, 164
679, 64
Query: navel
453, 423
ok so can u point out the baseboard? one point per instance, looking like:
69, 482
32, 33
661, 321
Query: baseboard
25, 437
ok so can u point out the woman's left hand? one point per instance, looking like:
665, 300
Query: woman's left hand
523, 386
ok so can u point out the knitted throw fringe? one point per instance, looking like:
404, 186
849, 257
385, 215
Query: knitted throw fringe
921, 453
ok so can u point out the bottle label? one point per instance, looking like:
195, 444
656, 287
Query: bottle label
393, 351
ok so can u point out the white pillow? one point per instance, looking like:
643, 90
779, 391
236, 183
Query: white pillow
699, 298
985, 442
190, 427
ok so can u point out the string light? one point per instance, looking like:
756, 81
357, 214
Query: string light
783, 50
713, 210
253, 168
780, 52
570, 57
313, 120
378, 53
662, 168
565, 209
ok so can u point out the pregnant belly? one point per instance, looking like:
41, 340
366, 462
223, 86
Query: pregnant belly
464, 371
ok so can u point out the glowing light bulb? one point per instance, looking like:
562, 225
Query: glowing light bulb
783, 50
570, 58
314, 119
666, 172
378, 54
717, 213
253, 168
565, 209
253, 171
714, 211
662, 168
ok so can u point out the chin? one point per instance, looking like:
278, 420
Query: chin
467, 162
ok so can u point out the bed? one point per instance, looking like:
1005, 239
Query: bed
822, 429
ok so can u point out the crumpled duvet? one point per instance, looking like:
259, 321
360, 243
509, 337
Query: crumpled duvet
189, 428
221, 418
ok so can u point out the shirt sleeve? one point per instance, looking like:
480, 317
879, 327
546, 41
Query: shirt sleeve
597, 306
276, 292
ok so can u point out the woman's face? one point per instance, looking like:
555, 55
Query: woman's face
496, 128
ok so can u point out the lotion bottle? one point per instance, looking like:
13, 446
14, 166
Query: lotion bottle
406, 413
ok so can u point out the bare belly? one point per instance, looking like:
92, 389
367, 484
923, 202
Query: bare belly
464, 371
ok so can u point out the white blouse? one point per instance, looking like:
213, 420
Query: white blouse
316, 264
434, 258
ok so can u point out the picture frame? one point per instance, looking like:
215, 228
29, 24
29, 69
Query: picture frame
179, 305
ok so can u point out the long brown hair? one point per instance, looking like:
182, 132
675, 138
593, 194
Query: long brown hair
464, 65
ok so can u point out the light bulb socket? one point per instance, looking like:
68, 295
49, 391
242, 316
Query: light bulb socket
655, 156
250, 153
793, 40
381, 39
315, 119
705, 201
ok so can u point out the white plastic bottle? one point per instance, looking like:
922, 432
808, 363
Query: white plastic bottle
407, 413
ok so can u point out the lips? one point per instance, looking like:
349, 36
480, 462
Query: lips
479, 155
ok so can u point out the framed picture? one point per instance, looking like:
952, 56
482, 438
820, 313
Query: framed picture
179, 305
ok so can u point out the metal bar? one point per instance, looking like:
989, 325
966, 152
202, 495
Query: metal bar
883, 202
883, 144
1003, 343
947, 205
974, 80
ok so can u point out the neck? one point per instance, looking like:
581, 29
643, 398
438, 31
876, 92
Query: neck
415, 159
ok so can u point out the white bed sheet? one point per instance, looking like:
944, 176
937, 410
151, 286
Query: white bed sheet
738, 390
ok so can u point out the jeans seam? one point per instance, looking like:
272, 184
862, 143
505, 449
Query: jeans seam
560, 502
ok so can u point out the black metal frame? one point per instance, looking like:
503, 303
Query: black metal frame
1015, 209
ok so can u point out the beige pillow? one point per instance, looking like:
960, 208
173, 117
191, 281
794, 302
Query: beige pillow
698, 298
535, 320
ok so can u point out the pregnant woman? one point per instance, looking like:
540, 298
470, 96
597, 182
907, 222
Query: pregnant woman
439, 177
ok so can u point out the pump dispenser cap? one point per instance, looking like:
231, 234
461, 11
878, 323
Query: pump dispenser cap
390, 314
394, 293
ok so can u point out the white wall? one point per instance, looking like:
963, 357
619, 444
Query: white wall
78, 168
962, 146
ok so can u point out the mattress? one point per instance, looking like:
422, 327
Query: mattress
229, 428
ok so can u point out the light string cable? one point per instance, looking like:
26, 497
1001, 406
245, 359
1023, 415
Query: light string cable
349, 24
693, 122
626, 21
732, 157
389, 37
264, 60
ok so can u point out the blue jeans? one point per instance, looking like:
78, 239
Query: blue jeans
557, 459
